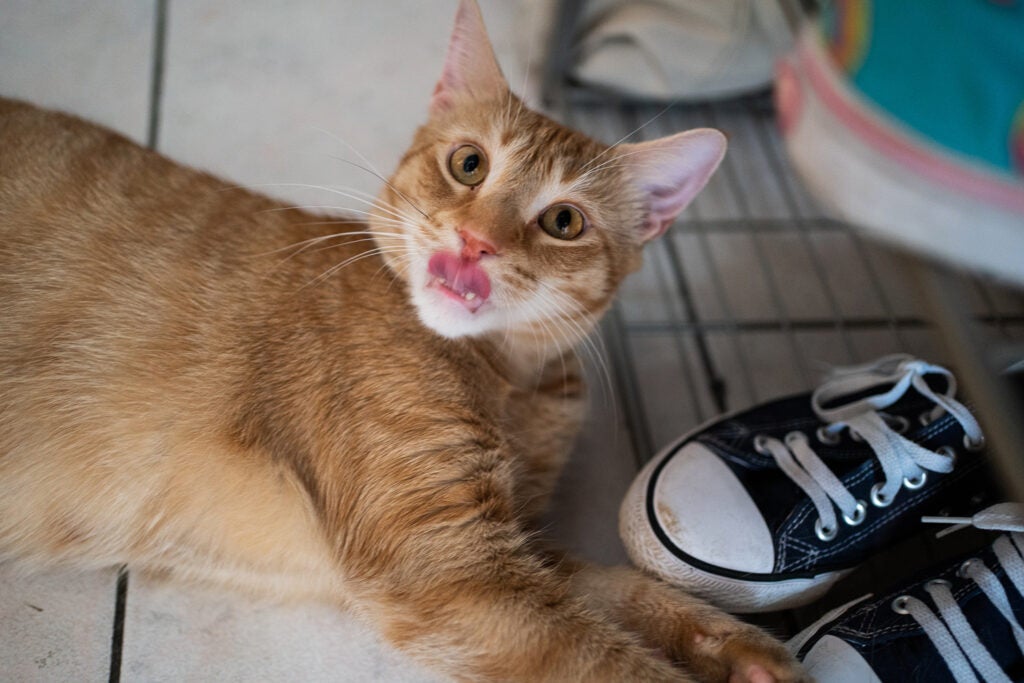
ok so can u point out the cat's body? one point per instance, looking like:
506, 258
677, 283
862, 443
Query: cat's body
208, 336
190, 384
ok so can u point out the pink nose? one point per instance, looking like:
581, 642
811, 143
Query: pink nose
474, 246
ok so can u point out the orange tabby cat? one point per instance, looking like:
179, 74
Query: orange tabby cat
200, 383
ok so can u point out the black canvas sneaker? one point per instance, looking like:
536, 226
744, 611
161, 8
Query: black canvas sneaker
961, 623
768, 508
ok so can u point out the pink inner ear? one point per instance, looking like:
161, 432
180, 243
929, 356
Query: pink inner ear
671, 171
470, 68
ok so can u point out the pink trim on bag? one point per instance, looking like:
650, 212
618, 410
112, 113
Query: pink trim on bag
788, 95
932, 165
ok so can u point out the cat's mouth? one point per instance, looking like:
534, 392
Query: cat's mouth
461, 280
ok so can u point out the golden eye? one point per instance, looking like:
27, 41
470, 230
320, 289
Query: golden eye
468, 165
562, 221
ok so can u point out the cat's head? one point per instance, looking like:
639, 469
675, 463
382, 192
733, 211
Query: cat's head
501, 221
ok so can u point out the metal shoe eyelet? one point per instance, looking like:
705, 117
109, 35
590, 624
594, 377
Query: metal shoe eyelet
794, 436
925, 418
761, 444
898, 423
860, 513
963, 569
938, 582
899, 605
855, 435
947, 451
878, 499
826, 437
823, 532
974, 445
914, 484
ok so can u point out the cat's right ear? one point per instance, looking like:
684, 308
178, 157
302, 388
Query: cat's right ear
470, 69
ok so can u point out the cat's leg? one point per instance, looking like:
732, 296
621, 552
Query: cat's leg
703, 639
433, 552
474, 602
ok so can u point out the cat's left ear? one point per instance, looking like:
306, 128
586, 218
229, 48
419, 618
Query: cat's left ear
671, 171
470, 69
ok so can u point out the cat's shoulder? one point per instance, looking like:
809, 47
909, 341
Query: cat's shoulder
47, 146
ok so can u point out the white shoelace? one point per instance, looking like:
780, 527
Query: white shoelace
903, 462
949, 631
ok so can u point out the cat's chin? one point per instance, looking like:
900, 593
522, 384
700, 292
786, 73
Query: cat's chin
450, 318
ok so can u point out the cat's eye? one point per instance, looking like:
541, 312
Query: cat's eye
562, 221
468, 165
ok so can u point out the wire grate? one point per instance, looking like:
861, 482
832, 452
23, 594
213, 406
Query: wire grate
755, 292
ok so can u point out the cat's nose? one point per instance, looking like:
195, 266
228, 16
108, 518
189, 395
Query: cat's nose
475, 246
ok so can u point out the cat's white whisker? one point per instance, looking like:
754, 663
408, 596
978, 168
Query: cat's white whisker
384, 267
378, 202
568, 346
378, 233
632, 132
508, 329
325, 248
351, 260
386, 182
506, 116
324, 207
337, 138
369, 168
567, 313
345, 244
386, 227
531, 46
608, 163
305, 244
304, 186
372, 202
401, 269
348, 192
595, 350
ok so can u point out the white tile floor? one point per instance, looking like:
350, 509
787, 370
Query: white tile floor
56, 626
752, 291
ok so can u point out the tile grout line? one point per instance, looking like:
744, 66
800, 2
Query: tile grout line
117, 636
156, 82
152, 136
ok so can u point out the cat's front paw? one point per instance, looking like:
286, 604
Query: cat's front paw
744, 655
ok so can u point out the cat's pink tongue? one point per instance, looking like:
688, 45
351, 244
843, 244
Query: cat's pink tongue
463, 280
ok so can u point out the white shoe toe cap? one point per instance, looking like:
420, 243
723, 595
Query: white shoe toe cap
834, 660
707, 513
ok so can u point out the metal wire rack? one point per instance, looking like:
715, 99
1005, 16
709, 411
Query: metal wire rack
754, 292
